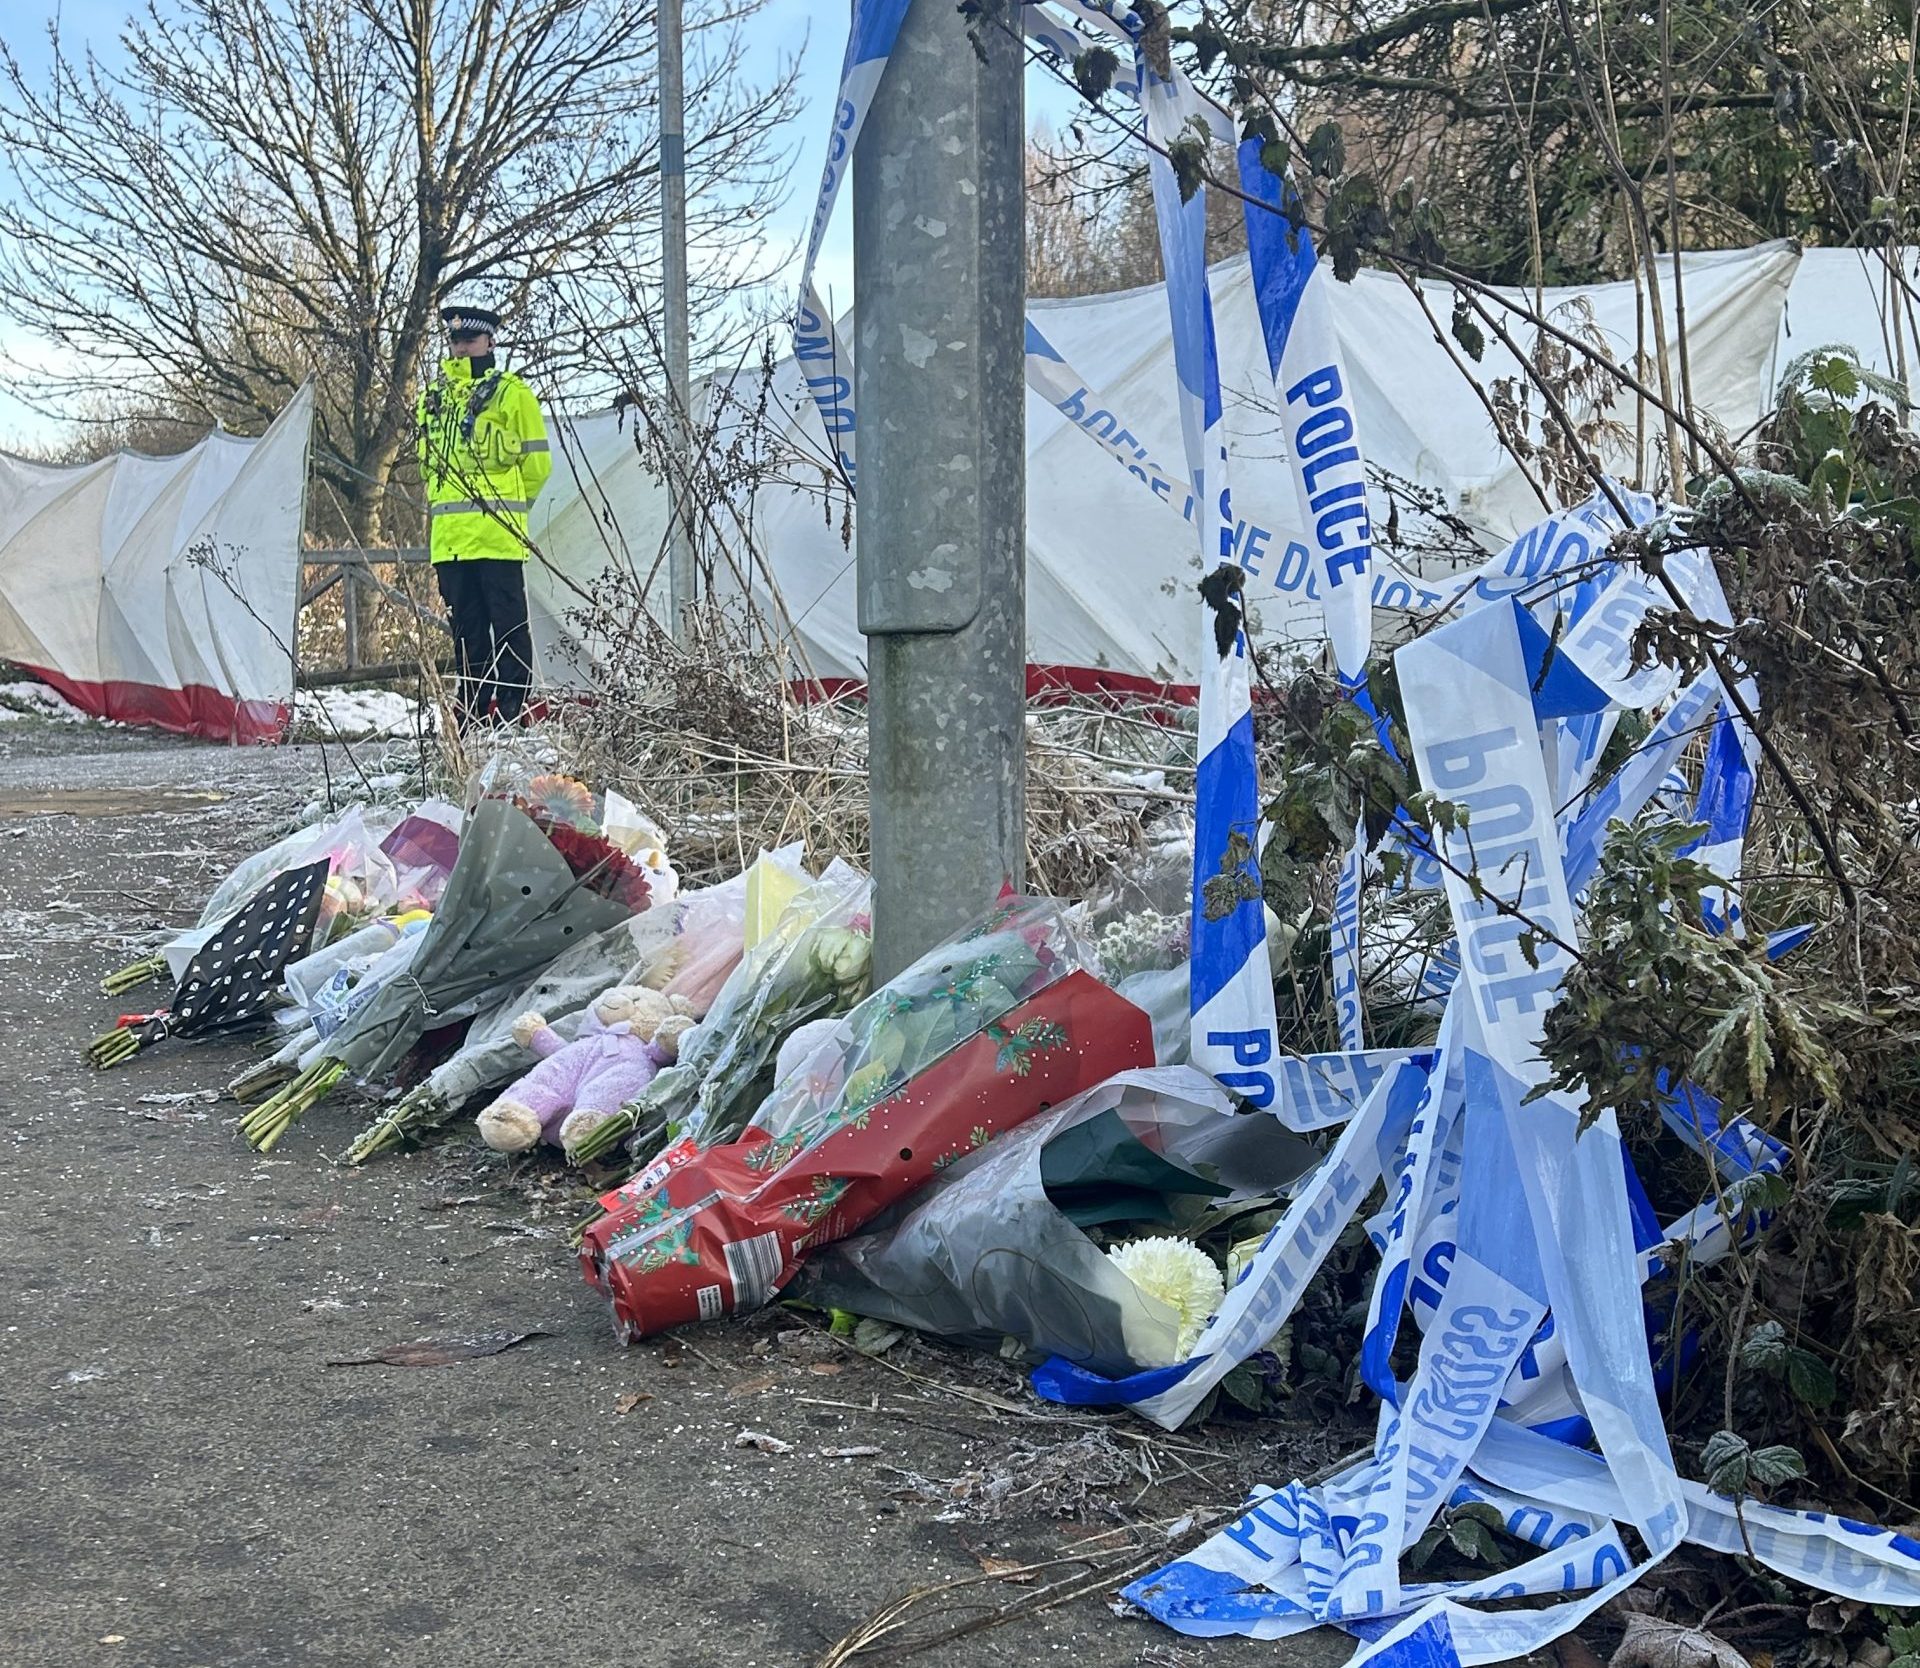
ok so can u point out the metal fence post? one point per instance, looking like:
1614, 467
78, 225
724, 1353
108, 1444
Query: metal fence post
673, 234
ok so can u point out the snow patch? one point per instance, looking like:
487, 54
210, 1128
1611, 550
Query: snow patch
36, 700
357, 714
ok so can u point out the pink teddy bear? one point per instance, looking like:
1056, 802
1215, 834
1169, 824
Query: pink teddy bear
627, 1035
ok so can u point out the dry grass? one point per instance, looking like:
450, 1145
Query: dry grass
722, 749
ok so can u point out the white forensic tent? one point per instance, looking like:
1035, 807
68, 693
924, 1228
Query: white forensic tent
1111, 566
1851, 297
162, 590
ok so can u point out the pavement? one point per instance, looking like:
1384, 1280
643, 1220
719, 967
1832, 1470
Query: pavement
190, 1480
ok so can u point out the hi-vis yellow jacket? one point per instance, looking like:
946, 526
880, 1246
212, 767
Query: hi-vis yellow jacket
483, 458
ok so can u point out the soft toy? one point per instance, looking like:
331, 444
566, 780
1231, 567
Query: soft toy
626, 1036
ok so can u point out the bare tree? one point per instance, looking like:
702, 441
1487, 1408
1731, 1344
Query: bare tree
1090, 222
276, 188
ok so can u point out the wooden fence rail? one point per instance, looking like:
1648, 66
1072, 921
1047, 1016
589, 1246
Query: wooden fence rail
352, 567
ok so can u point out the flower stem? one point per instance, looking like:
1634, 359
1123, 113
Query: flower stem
112, 1048
279, 1112
124, 979
416, 1113
605, 1136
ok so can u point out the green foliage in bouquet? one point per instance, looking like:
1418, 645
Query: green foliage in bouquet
948, 996
816, 963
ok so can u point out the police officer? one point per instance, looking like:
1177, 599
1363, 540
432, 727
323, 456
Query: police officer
483, 459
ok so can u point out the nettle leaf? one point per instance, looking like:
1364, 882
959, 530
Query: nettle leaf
1468, 334
1764, 1349
1777, 1464
1188, 157
1834, 476
1763, 1190
1276, 156
1727, 1460
1246, 1387
1326, 150
1343, 254
1470, 1539
1810, 1379
1853, 1200
1208, 44
1257, 124
1093, 73
1835, 375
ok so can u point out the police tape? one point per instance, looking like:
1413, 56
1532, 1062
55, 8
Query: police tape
823, 361
1521, 1247
1520, 1252
1232, 1025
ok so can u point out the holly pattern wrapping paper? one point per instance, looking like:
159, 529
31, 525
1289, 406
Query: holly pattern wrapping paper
721, 1231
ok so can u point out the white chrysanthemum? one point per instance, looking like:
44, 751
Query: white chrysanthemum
1180, 1275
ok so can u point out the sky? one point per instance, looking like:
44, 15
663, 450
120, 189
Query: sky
812, 30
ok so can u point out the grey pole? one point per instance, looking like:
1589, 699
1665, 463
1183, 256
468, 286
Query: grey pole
673, 233
940, 291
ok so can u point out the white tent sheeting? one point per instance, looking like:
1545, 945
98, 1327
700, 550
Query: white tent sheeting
1111, 566
162, 590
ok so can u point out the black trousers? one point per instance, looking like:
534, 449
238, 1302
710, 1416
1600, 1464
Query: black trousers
493, 647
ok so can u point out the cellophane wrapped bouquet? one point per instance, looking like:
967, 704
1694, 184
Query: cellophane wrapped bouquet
536, 875
377, 860
817, 961
970, 1041
685, 948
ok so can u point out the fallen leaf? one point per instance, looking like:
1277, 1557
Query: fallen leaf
1010, 1570
751, 1386
1832, 1615
848, 1453
626, 1404
825, 1369
438, 1352
1651, 1643
872, 1337
767, 1444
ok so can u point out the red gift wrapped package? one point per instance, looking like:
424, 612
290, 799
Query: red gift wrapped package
715, 1233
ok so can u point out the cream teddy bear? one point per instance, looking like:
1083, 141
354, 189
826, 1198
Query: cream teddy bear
628, 1034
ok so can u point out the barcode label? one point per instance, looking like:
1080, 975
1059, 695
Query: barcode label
711, 1308
753, 1265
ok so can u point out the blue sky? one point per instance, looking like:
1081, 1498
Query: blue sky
813, 29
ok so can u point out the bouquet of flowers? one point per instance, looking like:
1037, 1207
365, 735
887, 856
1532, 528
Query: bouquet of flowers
815, 962
423, 847
234, 979
360, 880
1076, 1233
657, 949
533, 878
970, 1041
562, 809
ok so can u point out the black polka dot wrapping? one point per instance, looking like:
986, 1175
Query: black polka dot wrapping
235, 978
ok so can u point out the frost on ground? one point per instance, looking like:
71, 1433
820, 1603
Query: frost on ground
26, 699
354, 714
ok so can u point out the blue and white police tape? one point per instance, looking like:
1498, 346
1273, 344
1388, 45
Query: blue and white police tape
823, 361
1552, 1226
